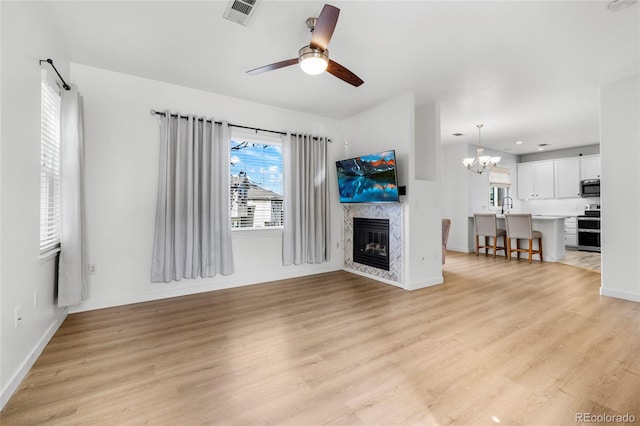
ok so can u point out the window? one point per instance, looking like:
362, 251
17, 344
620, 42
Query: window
499, 183
49, 167
256, 182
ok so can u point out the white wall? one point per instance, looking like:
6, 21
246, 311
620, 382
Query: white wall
383, 127
25, 39
424, 232
391, 125
455, 195
620, 155
121, 151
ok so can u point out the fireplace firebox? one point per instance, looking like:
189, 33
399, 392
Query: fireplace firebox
371, 242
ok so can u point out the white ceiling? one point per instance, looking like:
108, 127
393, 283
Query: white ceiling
527, 70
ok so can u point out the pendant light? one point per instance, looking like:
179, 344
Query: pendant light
481, 163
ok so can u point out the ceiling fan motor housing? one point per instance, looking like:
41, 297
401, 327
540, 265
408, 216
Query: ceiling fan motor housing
311, 23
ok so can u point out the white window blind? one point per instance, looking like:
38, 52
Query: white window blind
500, 176
257, 186
49, 167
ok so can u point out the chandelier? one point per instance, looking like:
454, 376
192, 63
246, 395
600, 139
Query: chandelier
482, 162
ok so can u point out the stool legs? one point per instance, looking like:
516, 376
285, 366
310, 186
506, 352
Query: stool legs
540, 247
529, 250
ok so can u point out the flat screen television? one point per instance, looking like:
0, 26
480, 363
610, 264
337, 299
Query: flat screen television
368, 178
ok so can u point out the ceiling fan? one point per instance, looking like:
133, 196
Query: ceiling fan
314, 58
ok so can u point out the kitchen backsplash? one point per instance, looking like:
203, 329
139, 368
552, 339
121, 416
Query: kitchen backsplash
568, 207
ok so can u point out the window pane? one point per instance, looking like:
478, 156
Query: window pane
256, 184
49, 168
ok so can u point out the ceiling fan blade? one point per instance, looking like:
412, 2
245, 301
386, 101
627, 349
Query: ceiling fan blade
324, 27
273, 66
343, 74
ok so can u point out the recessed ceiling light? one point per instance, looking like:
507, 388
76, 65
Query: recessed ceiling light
519, 142
540, 148
457, 134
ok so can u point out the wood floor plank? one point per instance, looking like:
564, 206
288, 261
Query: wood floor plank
500, 341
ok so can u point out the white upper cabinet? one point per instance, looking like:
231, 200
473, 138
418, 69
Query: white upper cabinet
559, 178
567, 178
535, 180
590, 167
526, 181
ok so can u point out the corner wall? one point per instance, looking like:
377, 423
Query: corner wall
25, 280
392, 125
424, 233
620, 155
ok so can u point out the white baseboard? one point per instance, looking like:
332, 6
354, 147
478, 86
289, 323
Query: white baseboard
404, 286
90, 305
461, 249
426, 283
626, 295
22, 372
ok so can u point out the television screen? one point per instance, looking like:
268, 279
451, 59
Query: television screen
368, 178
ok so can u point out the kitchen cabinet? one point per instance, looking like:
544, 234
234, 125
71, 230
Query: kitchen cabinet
567, 177
590, 167
535, 180
570, 232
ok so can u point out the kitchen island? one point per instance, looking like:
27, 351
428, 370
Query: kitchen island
552, 228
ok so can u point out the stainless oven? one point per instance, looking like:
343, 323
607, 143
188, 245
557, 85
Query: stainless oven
589, 231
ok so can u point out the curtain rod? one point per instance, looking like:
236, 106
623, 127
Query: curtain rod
154, 112
50, 62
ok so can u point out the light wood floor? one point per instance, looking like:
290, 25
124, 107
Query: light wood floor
582, 259
520, 344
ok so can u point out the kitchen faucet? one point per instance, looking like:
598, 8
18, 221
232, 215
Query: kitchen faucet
504, 202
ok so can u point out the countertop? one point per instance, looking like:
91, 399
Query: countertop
536, 216
544, 216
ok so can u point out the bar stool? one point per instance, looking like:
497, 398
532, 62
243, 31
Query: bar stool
486, 226
519, 226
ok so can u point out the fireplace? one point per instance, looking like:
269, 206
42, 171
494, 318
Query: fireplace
371, 242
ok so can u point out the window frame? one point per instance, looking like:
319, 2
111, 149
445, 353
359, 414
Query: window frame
50, 166
242, 136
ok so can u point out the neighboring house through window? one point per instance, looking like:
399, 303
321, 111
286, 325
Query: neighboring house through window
256, 181
49, 166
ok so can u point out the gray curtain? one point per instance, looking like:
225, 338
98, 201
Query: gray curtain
73, 283
193, 223
306, 200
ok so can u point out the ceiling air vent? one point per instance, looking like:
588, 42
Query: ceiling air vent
240, 10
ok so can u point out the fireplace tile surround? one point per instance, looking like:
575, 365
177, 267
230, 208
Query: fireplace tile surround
394, 213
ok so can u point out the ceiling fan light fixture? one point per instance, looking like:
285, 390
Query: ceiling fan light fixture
618, 5
313, 61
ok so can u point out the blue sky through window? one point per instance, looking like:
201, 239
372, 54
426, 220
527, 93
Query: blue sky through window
261, 162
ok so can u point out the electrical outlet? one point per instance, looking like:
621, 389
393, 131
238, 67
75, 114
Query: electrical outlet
18, 317
93, 269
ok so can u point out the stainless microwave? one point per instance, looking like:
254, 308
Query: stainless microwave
590, 188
